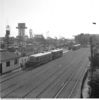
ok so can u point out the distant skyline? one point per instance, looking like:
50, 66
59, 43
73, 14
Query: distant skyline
62, 18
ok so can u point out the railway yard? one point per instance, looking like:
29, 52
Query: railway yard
59, 78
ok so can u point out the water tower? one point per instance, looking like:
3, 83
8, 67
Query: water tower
21, 29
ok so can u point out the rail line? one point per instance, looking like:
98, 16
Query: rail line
63, 70
65, 84
11, 76
40, 83
58, 76
38, 75
71, 93
15, 74
45, 89
45, 80
35, 87
16, 71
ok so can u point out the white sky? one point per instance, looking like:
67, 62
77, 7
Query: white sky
61, 17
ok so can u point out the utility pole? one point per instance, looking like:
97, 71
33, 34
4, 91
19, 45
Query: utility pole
92, 53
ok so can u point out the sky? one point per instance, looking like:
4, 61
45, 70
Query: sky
54, 18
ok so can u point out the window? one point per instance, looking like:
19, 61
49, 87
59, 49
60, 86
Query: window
15, 61
0, 65
8, 64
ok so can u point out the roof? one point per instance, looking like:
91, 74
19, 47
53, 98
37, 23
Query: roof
40, 54
56, 50
77, 45
5, 55
2, 50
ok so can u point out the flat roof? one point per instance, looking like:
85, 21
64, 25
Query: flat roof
40, 54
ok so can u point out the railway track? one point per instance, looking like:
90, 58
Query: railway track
43, 76
35, 75
39, 80
45, 70
70, 86
57, 83
15, 74
37, 85
75, 86
64, 86
44, 86
50, 81
10, 76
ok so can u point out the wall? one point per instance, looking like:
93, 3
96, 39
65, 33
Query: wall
11, 67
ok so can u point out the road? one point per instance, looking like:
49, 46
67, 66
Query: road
60, 78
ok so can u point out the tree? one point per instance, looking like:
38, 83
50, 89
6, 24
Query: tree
83, 39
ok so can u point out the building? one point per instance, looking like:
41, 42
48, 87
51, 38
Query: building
23, 60
8, 61
21, 34
21, 29
38, 36
1, 42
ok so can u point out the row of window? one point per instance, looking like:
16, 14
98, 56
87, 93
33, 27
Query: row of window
8, 63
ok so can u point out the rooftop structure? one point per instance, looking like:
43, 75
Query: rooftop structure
21, 29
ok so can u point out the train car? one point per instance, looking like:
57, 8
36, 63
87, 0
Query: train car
76, 47
38, 59
42, 58
57, 53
